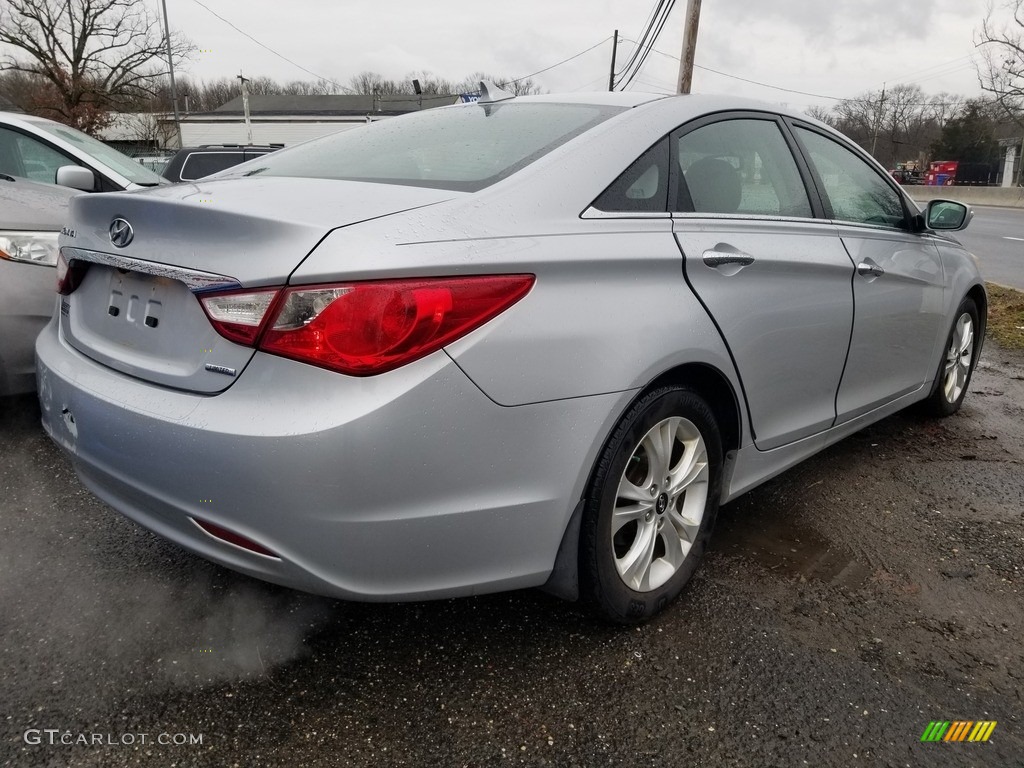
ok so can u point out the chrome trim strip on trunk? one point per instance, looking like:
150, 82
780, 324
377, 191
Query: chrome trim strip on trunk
195, 280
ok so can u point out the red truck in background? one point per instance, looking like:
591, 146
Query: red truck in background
946, 173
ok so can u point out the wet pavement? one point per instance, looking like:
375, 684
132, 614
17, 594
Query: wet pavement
844, 606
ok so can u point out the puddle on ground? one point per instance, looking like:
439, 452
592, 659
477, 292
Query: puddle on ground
790, 551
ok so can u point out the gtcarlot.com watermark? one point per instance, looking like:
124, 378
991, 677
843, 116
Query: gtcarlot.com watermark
57, 737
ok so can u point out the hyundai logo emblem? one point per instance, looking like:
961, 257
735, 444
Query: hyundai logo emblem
121, 233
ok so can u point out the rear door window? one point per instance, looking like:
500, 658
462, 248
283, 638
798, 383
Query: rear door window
738, 166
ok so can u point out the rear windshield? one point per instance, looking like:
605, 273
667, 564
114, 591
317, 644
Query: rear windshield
462, 148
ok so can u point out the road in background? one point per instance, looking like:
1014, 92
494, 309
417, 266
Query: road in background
996, 237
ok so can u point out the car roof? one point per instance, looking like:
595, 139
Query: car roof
697, 103
688, 106
604, 98
18, 117
28, 205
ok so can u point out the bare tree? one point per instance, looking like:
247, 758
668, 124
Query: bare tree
1001, 70
521, 87
309, 88
900, 124
430, 84
91, 54
216, 93
945, 106
857, 117
820, 113
208, 95
147, 128
19, 88
907, 123
374, 83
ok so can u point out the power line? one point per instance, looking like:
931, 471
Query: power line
752, 82
589, 85
335, 82
944, 72
654, 38
646, 44
648, 26
656, 87
817, 95
768, 85
911, 77
267, 47
563, 61
786, 90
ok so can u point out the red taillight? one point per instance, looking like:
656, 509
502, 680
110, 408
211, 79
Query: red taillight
69, 275
363, 329
367, 328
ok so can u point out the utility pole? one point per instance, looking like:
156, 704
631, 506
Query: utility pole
689, 46
245, 107
611, 71
170, 68
878, 120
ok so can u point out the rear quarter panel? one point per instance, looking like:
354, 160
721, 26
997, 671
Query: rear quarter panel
610, 310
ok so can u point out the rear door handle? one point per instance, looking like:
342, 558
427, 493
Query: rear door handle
869, 268
715, 259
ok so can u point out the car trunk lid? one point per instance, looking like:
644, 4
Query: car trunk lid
136, 308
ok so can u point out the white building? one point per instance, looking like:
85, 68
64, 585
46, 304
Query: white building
292, 119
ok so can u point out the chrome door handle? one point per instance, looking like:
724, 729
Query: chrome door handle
716, 259
869, 267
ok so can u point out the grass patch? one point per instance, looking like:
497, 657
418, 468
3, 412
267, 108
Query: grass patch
1006, 316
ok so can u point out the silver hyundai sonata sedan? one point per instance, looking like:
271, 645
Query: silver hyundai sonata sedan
522, 342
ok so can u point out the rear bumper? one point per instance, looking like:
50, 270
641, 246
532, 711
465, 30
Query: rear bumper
408, 485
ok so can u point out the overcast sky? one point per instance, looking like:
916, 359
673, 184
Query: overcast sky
837, 48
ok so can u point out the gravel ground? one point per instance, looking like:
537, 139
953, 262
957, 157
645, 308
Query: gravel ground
846, 604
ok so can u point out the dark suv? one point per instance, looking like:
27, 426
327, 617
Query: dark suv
193, 163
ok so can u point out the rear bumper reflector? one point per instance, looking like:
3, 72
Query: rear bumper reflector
237, 540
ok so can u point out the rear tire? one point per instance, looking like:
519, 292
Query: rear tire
960, 355
651, 505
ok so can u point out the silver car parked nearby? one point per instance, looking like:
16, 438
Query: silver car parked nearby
523, 342
31, 216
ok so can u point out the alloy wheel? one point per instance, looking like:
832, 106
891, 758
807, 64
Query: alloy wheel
958, 358
659, 504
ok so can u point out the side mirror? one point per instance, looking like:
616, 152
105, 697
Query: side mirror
947, 215
76, 177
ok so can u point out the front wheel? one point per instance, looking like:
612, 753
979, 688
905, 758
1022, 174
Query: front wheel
958, 361
651, 505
